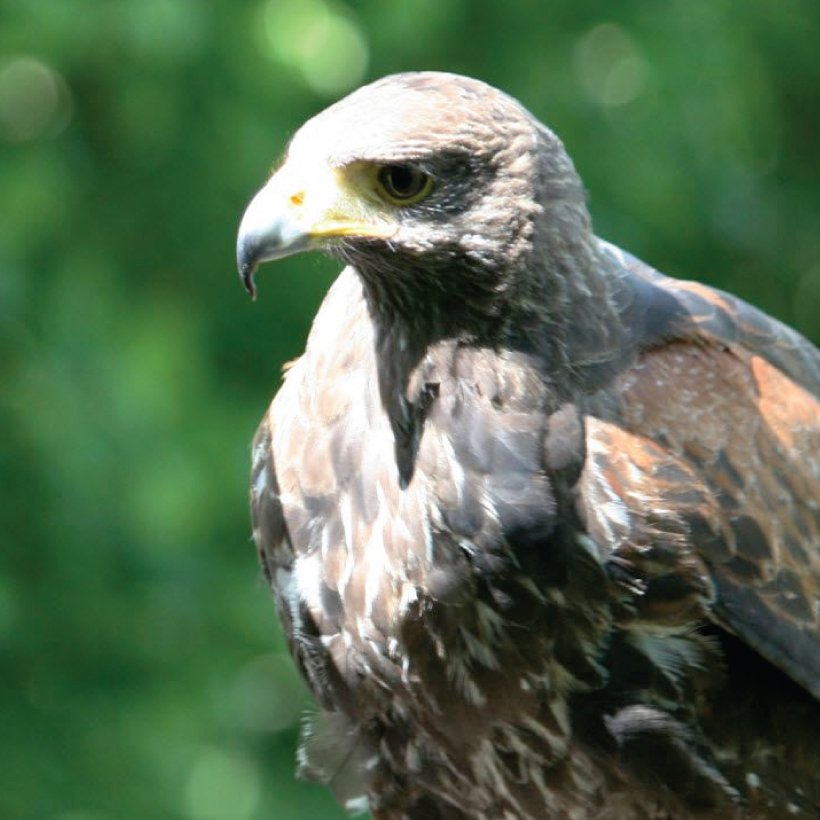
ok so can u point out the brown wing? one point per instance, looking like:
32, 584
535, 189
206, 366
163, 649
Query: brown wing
704, 473
670, 309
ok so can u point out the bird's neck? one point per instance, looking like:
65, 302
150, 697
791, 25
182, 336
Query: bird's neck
565, 322
565, 309
406, 386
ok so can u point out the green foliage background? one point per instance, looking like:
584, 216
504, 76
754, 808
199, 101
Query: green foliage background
142, 673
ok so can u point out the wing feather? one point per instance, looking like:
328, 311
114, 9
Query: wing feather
679, 309
711, 441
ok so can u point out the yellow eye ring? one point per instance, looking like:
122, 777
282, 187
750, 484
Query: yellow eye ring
403, 184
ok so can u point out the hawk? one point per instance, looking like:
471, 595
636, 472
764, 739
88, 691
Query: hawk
542, 524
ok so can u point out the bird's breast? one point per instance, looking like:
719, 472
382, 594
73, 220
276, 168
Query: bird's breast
430, 586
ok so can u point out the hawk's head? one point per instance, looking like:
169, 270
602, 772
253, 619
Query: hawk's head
421, 179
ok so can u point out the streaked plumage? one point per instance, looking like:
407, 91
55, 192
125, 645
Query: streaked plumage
543, 525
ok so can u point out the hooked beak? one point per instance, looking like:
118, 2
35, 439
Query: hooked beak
301, 208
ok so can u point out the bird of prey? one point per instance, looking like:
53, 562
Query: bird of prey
542, 524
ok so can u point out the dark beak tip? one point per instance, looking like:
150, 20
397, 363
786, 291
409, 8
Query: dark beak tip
246, 263
246, 273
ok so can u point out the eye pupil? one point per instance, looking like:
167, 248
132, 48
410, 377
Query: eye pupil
402, 181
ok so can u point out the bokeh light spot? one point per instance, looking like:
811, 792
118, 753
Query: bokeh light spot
222, 785
165, 30
608, 66
323, 42
35, 102
267, 695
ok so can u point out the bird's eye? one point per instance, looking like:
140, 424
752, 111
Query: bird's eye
404, 184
